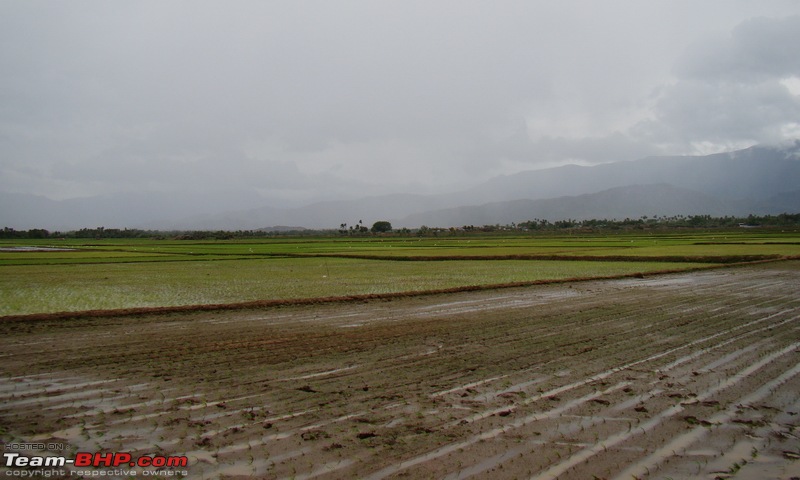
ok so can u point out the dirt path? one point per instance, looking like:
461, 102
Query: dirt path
691, 375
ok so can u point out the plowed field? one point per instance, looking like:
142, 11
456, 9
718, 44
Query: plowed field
691, 375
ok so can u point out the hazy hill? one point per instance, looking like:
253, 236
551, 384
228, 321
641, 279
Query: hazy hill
760, 179
755, 180
131, 210
758, 172
616, 203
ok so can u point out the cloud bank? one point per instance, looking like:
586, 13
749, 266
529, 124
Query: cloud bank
300, 101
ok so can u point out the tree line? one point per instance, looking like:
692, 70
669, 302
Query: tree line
675, 221
385, 228
102, 232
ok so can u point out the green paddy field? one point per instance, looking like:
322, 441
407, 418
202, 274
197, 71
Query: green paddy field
47, 276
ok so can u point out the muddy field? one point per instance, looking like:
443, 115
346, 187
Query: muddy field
693, 375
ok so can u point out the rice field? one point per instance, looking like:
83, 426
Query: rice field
76, 275
54, 288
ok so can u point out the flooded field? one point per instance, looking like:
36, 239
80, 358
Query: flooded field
689, 375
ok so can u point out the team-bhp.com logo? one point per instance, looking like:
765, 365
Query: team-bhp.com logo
116, 460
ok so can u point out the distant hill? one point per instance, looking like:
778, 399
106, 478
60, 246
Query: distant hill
783, 202
127, 210
756, 173
758, 180
617, 203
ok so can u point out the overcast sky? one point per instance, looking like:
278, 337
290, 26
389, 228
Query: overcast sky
301, 100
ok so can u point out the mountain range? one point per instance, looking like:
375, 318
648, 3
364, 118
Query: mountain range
757, 180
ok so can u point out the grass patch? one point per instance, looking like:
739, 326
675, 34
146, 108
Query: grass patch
132, 273
54, 288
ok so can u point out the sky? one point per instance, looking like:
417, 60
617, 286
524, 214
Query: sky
296, 101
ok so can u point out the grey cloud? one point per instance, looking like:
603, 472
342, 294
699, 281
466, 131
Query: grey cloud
728, 91
757, 49
197, 170
360, 96
611, 148
692, 111
549, 150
